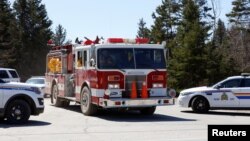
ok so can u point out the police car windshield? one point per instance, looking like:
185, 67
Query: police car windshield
129, 58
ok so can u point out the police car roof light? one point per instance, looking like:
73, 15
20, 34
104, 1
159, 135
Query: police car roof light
245, 74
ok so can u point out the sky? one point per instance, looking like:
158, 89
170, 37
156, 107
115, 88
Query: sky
107, 18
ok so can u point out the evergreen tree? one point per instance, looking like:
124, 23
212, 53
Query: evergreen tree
188, 66
8, 38
240, 13
206, 18
34, 27
143, 31
166, 19
219, 33
216, 59
60, 35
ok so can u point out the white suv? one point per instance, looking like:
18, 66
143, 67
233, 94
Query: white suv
19, 100
9, 75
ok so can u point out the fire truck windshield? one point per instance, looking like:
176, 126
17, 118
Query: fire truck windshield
130, 58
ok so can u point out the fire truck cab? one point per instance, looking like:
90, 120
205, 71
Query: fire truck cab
119, 73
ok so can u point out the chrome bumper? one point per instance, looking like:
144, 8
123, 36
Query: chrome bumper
139, 102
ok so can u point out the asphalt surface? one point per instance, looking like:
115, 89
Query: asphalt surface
169, 123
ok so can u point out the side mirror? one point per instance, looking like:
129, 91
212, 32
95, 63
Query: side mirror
92, 62
166, 53
218, 86
2, 81
72, 76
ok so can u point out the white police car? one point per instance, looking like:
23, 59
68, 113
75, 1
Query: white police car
231, 93
19, 100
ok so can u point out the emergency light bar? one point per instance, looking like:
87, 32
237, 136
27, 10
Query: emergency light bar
142, 40
245, 74
115, 40
129, 41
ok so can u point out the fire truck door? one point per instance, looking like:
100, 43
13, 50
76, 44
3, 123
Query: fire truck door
81, 67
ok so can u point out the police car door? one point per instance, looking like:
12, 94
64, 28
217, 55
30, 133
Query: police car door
225, 95
244, 94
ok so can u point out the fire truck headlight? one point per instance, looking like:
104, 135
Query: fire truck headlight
113, 86
157, 85
171, 93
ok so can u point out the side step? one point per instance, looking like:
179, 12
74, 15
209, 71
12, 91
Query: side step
70, 98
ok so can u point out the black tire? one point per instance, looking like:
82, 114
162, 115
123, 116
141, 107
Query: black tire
87, 107
18, 111
1, 119
200, 105
55, 100
148, 110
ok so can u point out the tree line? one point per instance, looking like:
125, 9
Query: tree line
201, 49
24, 31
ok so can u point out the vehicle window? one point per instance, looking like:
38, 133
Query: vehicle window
13, 73
85, 58
231, 83
92, 53
4, 74
115, 58
150, 58
129, 58
246, 83
35, 81
79, 59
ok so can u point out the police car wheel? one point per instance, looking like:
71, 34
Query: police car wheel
18, 111
200, 105
85, 100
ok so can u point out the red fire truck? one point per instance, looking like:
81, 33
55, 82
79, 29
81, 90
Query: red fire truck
118, 73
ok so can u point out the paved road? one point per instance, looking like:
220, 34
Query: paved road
169, 123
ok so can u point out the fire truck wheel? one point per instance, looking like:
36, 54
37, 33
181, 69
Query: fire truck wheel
55, 100
86, 106
148, 110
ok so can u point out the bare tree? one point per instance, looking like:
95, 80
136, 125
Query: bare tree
216, 11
